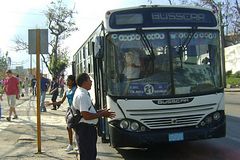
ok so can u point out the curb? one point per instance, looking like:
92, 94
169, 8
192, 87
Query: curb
232, 90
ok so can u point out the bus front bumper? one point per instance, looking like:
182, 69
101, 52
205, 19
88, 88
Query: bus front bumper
122, 138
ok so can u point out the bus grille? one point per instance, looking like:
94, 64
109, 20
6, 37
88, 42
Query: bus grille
169, 122
171, 117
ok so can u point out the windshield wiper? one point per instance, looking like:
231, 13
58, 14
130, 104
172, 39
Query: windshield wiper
185, 44
146, 43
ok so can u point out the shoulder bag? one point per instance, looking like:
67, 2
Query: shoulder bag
73, 117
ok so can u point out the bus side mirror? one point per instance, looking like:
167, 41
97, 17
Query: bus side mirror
98, 47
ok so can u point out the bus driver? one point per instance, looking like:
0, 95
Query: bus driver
132, 65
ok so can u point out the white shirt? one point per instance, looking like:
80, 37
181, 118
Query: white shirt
132, 72
82, 101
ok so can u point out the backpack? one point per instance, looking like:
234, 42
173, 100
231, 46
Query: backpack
73, 117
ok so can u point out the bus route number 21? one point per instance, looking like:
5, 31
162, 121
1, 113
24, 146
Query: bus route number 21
148, 89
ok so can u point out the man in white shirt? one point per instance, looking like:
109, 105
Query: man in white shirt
86, 133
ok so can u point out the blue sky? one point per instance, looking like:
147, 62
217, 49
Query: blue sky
28, 14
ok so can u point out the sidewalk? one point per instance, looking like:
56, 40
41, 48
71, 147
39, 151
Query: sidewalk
18, 138
232, 89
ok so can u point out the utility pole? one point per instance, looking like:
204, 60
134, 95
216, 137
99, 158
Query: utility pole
222, 41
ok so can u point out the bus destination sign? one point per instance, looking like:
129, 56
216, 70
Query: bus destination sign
162, 17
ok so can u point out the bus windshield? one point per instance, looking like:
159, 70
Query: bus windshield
176, 62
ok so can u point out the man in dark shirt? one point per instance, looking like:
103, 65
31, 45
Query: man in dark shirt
33, 85
54, 91
44, 87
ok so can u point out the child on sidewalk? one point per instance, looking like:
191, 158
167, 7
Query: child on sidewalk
68, 94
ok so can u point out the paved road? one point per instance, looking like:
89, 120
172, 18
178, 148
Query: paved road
227, 148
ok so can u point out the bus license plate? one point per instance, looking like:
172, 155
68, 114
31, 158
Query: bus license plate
175, 137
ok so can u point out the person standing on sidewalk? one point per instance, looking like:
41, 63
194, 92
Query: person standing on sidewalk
61, 83
44, 87
33, 85
1, 99
26, 86
86, 133
69, 93
19, 85
11, 88
54, 91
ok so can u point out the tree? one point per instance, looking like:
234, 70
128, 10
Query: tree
3, 65
229, 14
235, 12
61, 24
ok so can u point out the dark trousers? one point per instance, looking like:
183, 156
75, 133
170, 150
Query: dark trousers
54, 99
86, 136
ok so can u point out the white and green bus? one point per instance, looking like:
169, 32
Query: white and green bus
178, 91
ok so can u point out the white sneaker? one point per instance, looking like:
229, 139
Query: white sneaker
69, 148
76, 148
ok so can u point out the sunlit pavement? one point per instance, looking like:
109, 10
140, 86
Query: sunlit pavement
19, 137
27, 114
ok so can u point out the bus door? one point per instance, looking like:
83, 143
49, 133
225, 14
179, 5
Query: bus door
99, 87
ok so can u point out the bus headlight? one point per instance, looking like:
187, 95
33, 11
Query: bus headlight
209, 120
134, 126
129, 125
124, 124
202, 123
216, 116
212, 119
143, 128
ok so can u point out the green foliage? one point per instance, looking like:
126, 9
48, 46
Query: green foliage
237, 74
3, 66
233, 79
229, 73
58, 65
